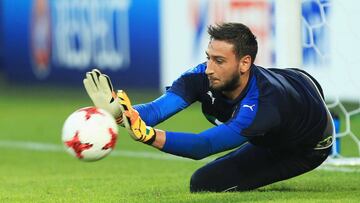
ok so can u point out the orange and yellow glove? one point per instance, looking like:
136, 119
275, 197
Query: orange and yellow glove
135, 126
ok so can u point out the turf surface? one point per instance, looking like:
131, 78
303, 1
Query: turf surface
36, 115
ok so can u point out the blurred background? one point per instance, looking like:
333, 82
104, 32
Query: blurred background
149, 43
46, 46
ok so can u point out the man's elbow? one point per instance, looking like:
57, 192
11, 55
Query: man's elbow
199, 156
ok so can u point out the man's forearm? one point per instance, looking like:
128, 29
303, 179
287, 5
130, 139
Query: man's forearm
198, 146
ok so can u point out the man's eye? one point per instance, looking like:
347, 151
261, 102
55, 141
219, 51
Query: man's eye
219, 61
207, 58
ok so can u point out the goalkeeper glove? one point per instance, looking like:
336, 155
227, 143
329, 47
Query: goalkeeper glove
100, 90
135, 126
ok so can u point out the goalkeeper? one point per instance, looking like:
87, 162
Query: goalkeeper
275, 119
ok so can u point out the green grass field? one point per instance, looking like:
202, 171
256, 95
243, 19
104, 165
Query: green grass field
34, 168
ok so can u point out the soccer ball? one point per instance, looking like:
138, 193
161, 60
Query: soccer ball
89, 133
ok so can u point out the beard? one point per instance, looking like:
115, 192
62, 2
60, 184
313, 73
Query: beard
229, 85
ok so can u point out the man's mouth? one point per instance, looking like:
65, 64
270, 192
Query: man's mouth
212, 79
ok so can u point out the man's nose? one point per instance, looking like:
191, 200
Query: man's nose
209, 69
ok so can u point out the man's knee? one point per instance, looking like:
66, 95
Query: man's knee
206, 179
198, 182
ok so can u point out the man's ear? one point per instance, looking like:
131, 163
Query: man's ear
245, 64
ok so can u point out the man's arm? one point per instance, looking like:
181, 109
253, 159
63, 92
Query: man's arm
195, 146
161, 109
198, 146
100, 90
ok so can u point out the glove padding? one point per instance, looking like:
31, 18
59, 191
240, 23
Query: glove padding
135, 126
100, 90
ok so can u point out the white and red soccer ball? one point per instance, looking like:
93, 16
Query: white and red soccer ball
89, 133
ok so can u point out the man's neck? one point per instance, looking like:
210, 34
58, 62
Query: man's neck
233, 94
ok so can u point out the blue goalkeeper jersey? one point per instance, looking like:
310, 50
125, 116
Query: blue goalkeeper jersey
278, 109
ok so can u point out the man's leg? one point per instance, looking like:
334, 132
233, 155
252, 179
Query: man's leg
250, 167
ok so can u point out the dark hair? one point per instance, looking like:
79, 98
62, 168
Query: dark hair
237, 34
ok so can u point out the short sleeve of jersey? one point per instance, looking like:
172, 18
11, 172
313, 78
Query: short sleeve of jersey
190, 84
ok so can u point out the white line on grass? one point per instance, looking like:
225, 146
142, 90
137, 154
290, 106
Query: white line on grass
47, 147
339, 169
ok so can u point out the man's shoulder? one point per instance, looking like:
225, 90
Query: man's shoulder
191, 84
268, 79
274, 79
199, 69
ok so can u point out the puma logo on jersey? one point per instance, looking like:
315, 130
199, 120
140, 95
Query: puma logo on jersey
249, 106
211, 96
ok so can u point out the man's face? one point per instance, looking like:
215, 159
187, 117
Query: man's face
223, 68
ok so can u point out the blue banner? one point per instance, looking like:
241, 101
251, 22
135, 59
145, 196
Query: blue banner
1, 37
57, 41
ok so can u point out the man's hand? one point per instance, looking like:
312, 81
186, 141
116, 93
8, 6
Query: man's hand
135, 126
100, 90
